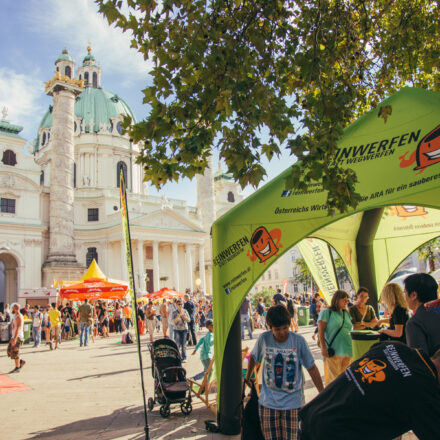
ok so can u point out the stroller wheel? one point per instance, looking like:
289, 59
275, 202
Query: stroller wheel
186, 408
165, 411
150, 404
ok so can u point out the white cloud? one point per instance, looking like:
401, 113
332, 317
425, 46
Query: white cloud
74, 23
21, 95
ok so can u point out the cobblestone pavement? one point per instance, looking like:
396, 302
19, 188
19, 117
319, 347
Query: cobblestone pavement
93, 393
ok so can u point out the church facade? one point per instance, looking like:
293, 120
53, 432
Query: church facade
60, 204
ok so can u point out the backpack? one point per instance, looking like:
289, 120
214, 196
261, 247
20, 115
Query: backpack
291, 307
250, 422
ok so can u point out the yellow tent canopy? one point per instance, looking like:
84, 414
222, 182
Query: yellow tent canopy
94, 271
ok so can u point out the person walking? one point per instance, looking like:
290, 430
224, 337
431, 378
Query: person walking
423, 329
17, 336
206, 352
118, 318
181, 320
164, 312
245, 316
55, 325
283, 354
85, 314
191, 308
37, 321
150, 314
334, 327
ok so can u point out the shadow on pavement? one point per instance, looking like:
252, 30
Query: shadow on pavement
128, 422
111, 373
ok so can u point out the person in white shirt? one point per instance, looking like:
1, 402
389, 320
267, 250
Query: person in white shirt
37, 320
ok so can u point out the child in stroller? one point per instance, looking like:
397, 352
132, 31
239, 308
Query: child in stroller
170, 384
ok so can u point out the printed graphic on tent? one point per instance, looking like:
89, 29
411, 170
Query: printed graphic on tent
316, 254
398, 236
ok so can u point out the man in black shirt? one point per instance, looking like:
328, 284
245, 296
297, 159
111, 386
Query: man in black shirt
190, 307
423, 329
389, 391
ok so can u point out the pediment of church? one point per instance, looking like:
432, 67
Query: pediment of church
167, 219
16, 181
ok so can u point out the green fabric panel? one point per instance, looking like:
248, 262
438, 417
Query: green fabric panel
397, 162
319, 261
402, 230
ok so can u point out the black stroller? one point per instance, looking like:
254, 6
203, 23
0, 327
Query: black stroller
170, 384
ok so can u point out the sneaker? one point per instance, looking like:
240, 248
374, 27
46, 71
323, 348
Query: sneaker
51, 345
15, 370
22, 363
80, 344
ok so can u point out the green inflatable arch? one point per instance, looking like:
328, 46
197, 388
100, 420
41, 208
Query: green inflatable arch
397, 161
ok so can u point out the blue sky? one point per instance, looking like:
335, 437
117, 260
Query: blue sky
34, 32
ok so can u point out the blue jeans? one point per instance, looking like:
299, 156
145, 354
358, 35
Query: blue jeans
205, 363
245, 321
36, 335
180, 338
84, 336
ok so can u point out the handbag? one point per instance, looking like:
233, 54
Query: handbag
250, 421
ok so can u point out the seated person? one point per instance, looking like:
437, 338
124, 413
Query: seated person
362, 315
389, 391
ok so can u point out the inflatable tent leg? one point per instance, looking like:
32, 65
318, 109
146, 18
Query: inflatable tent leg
229, 414
364, 249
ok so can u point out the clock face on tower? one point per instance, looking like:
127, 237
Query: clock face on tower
119, 127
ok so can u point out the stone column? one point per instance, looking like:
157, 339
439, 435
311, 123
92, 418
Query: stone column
176, 266
188, 249
141, 268
61, 244
61, 258
156, 275
202, 268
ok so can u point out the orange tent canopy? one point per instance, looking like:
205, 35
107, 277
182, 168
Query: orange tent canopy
164, 293
94, 288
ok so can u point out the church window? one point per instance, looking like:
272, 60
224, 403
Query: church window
68, 71
9, 158
92, 254
8, 205
295, 288
231, 197
43, 141
95, 80
93, 214
123, 166
74, 175
119, 127
86, 78
80, 77
42, 178
276, 275
269, 275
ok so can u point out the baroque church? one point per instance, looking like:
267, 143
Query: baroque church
60, 206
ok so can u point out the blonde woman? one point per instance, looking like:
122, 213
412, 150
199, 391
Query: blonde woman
393, 298
334, 327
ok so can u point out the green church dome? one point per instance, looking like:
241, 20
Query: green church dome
93, 104
64, 56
